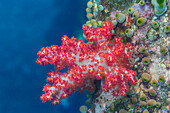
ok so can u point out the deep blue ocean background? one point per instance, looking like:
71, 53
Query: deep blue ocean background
25, 27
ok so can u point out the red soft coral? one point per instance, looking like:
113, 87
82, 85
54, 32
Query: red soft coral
86, 63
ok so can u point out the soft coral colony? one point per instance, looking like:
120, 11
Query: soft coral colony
124, 66
86, 63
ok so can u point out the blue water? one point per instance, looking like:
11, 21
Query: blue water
25, 27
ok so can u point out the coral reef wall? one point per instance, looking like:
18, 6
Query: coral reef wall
129, 74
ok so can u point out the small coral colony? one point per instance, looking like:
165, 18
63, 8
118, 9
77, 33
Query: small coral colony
125, 65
